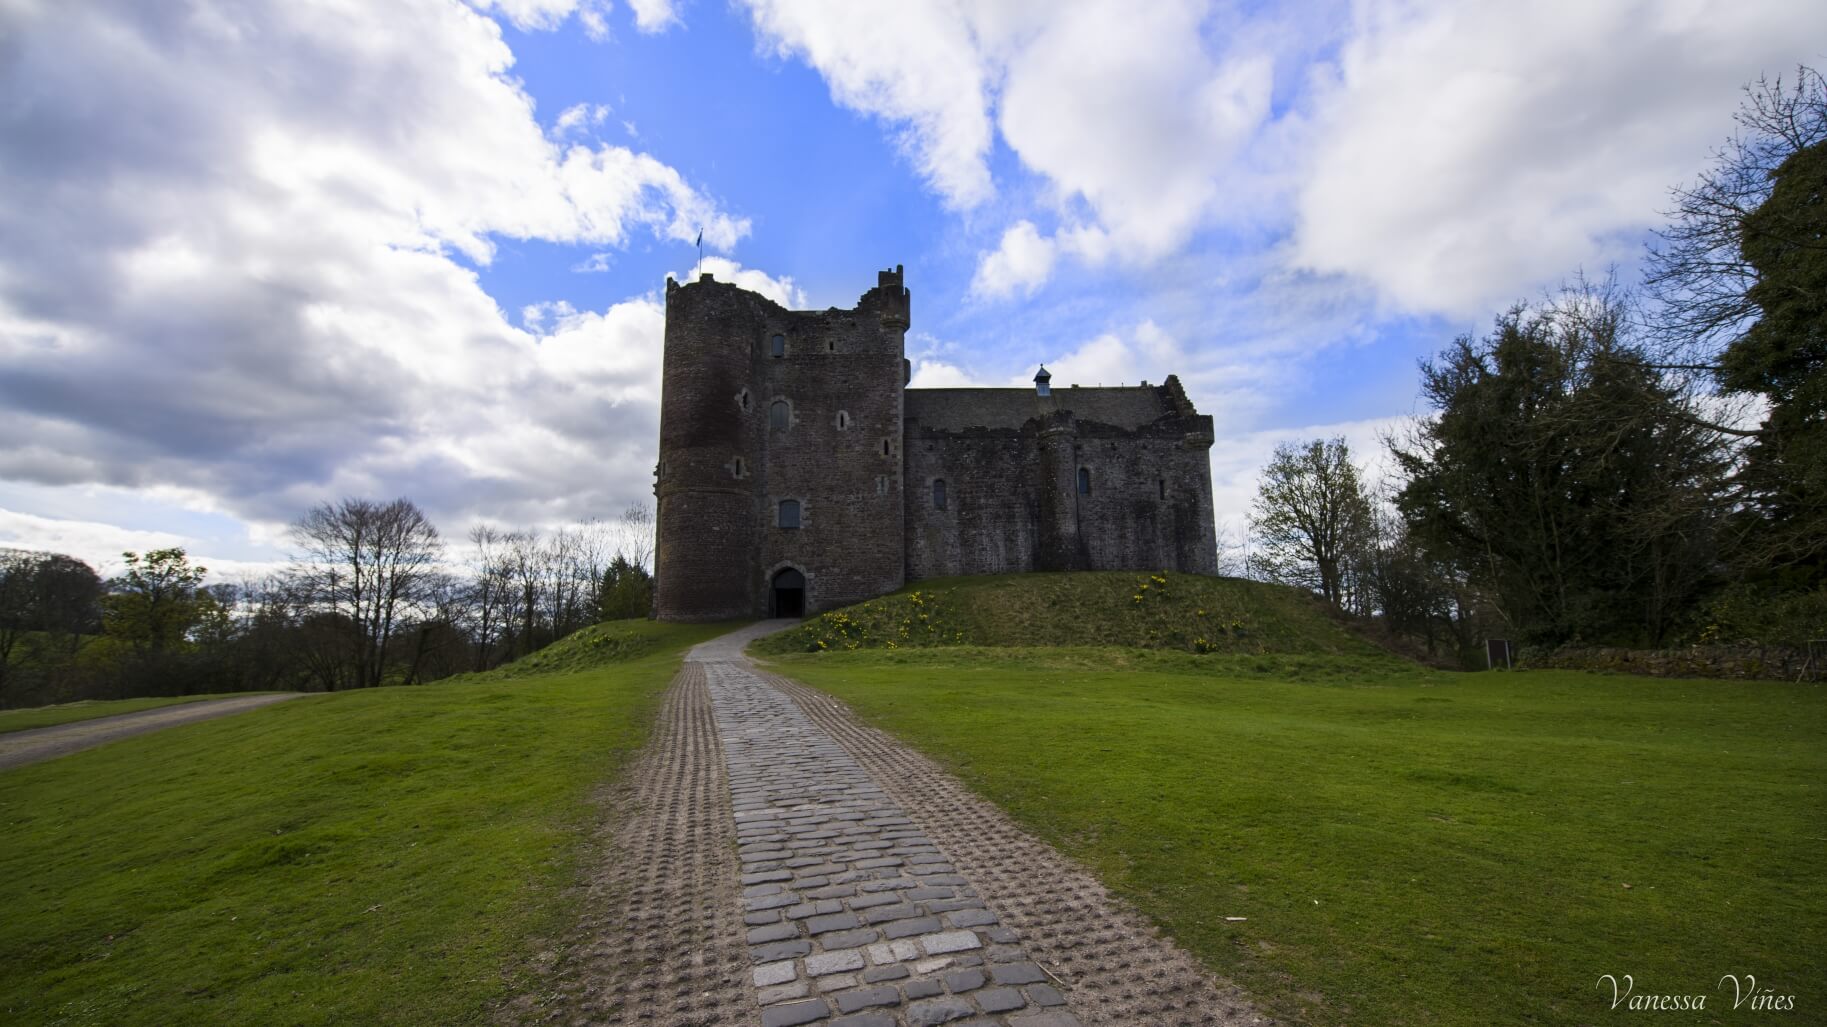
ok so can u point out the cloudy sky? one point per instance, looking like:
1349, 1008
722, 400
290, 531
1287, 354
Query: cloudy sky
258, 254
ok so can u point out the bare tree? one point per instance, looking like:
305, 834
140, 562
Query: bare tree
1311, 517
369, 564
634, 536
1699, 273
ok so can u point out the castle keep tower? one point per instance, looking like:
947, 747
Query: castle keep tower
798, 472
779, 484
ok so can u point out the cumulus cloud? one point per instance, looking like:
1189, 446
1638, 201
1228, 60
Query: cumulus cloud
234, 261
654, 15
781, 290
1129, 113
937, 374
1455, 154
1022, 262
578, 117
1463, 153
916, 65
1238, 460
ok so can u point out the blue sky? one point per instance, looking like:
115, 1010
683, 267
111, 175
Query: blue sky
261, 255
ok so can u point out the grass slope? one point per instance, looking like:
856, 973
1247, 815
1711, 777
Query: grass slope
1099, 608
377, 856
89, 709
1409, 847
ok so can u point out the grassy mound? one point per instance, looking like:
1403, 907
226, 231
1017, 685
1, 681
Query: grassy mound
615, 641
1148, 610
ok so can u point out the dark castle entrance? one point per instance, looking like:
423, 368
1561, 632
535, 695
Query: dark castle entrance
789, 594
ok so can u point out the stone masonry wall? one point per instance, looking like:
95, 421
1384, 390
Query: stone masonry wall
724, 468
859, 453
1012, 501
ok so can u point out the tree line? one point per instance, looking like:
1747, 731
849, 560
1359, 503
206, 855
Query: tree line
1605, 466
374, 595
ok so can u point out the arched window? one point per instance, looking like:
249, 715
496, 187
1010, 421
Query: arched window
1084, 481
779, 414
938, 493
789, 513
778, 345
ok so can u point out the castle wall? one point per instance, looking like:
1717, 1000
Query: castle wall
859, 453
847, 362
725, 467
1012, 498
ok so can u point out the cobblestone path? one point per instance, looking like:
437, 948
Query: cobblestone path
857, 914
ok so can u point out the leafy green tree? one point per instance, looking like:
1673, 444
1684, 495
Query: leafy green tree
1563, 478
155, 603
1741, 280
627, 590
1312, 518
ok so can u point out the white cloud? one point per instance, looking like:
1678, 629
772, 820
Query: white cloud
243, 276
1130, 113
1144, 353
913, 64
1022, 262
1464, 154
654, 15
1457, 154
577, 117
937, 374
545, 15
1238, 460
781, 290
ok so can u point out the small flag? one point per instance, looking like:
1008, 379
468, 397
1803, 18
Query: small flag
700, 241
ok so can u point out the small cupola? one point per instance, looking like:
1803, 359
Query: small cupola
1043, 382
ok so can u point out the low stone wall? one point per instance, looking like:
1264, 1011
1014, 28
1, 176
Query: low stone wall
1744, 662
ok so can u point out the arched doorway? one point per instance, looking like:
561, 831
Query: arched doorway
788, 595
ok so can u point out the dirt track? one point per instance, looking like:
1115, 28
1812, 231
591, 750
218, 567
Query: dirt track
18, 748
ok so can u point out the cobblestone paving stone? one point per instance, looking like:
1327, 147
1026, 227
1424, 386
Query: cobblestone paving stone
857, 911
658, 940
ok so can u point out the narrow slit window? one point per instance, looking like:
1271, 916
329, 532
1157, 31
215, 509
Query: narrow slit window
738, 467
938, 493
843, 420
779, 414
778, 345
789, 513
1162, 482
743, 399
884, 447
1084, 481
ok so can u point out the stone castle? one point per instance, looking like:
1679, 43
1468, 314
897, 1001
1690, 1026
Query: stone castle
798, 472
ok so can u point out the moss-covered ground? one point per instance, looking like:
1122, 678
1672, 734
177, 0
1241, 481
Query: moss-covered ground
1155, 610
378, 856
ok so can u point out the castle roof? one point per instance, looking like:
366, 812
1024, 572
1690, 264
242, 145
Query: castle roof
1128, 407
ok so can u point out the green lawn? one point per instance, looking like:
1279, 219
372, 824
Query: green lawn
1408, 847
378, 856
65, 713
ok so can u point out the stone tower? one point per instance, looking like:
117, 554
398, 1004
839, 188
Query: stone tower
779, 483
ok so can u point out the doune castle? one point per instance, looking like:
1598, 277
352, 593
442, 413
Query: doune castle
798, 472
